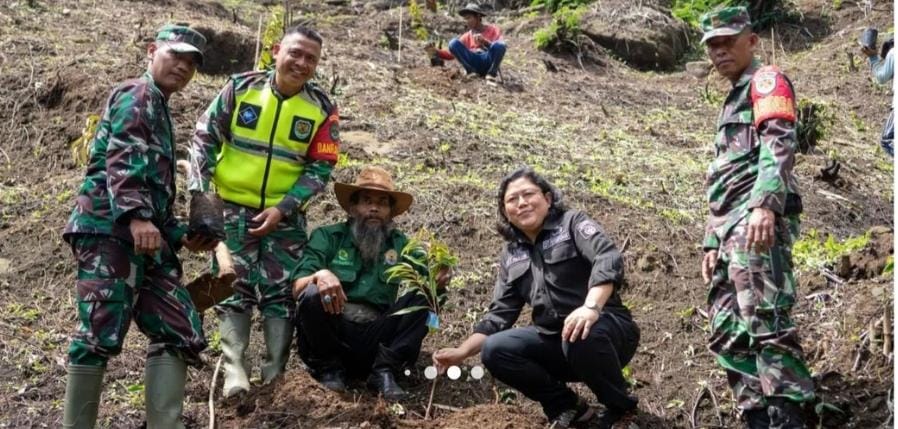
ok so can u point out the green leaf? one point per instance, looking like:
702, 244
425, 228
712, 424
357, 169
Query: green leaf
411, 309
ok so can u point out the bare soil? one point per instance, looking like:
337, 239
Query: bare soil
629, 147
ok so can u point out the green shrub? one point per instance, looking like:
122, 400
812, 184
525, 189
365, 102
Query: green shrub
565, 25
763, 12
555, 5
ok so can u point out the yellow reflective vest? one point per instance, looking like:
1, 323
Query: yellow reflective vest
270, 138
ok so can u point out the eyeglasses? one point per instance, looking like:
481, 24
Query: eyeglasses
527, 195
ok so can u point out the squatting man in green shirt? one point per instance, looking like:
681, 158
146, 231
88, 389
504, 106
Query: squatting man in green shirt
346, 303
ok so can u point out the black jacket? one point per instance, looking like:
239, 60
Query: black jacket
553, 275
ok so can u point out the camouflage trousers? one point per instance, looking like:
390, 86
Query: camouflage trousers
114, 286
752, 335
263, 264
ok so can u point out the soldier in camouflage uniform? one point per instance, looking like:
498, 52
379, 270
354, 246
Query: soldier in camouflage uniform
125, 238
268, 142
753, 222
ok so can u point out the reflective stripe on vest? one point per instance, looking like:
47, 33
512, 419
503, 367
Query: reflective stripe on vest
267, 151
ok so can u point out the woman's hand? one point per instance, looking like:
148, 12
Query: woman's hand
578, 323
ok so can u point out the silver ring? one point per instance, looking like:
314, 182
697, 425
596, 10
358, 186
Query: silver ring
327, 299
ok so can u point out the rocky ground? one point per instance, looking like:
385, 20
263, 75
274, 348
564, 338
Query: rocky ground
626, 144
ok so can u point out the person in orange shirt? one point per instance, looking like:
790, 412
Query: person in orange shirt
481, 48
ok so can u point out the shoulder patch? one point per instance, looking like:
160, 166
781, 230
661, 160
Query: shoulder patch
588, 228
772, 96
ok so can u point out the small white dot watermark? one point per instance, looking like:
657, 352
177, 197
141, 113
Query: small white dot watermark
477, 372
454, 372
430, 372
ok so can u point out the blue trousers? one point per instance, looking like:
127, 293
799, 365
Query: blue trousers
480, 62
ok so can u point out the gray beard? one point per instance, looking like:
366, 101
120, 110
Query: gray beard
369, 240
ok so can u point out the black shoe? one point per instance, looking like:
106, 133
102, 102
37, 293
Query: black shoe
382, 380
756, 419
332, 379
607, 418
581, 416
784, 414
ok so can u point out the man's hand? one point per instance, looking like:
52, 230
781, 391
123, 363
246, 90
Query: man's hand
198, 243
709, 261
760, 235
331, 291
270, 218
147, 239
867, 51
481, 41
444, 358
578, 323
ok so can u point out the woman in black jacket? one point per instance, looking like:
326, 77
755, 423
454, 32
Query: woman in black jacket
560, 262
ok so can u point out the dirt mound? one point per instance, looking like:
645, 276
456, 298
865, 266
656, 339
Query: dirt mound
226, 52
642, 36
488, 417
870, 261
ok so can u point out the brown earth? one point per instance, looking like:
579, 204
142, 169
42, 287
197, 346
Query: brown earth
628, 147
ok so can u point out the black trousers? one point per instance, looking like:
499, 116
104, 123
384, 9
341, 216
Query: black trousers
326, 341
539, 365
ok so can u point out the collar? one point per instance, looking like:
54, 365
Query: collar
151, 84
748, 73
551, 223
274, 88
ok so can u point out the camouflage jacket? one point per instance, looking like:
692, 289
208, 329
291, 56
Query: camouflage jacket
213, 130
755, 152
131, 169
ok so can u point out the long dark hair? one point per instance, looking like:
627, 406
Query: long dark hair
503, 226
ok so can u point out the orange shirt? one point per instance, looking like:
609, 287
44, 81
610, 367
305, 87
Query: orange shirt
490, 32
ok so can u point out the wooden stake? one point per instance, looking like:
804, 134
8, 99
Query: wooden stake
258, 43
212, 394
399, 58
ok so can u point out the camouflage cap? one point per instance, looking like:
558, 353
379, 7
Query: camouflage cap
183, 39
724, 22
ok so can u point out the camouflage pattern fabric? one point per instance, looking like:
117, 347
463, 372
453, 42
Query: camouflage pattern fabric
753, 164
752, 293
115, 286
752, 335
726, 21
131, 166
262, 264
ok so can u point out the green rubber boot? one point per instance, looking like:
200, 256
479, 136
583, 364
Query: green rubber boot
164, 383
82, 396
234, 330
278, 336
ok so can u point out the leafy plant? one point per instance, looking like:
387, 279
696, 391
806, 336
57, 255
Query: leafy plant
763, 12
81, 146
271, 34
814, 121
424, 260
416, 15
565, 26
814, 252
555, 5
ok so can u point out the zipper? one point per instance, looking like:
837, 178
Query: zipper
274, 127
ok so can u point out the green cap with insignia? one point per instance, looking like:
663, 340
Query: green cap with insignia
182, 39
726, 21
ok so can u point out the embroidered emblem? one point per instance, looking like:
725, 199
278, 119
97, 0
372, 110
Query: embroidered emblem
301, 130
248, 115
587, 228
391, 257
765, 82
